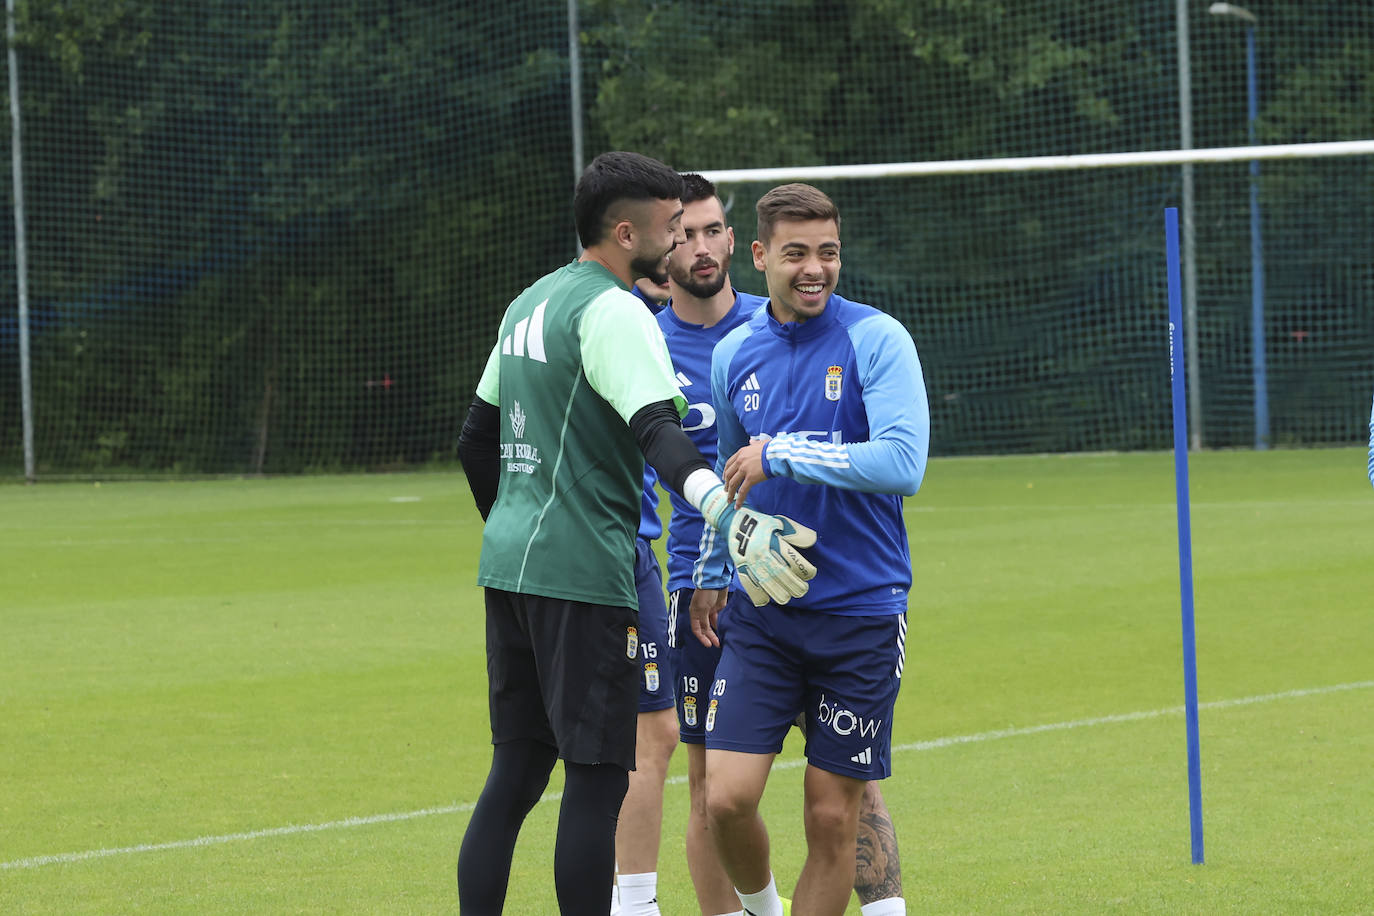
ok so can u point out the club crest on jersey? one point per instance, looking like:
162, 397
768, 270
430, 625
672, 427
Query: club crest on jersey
834, 377
711, 715
517, 420
689, 710
651, 677
631, 642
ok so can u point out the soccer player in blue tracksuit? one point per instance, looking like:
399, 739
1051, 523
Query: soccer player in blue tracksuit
640, 824
822, 416
1371, 445
703, 309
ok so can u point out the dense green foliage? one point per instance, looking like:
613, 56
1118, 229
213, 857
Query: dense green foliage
276, 236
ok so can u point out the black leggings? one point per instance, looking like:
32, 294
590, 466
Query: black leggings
584, 855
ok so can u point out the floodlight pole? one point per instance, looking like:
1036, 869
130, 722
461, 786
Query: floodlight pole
575, 93
21, 252
1189, 253
1258, 345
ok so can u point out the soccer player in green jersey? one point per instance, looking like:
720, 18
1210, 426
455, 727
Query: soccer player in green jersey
577, 394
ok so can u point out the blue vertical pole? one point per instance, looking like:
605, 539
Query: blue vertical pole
1257, 341
1185, 538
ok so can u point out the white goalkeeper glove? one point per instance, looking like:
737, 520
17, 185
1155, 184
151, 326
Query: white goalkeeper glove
763, 548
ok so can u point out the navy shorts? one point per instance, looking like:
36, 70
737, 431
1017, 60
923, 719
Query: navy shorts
655, 663
842, 672
694, 663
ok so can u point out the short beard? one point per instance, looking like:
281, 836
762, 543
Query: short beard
708, 288
654, 269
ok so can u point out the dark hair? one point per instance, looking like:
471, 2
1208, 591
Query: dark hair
793, 203
695, 188
617, 176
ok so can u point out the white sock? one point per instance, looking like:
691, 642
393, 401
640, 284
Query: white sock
639, 894
615, 899
892, 906
763, 903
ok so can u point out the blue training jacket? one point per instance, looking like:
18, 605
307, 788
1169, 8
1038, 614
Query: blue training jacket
650, 525
842, 400
690, 347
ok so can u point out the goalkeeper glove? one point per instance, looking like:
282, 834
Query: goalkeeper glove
763, 548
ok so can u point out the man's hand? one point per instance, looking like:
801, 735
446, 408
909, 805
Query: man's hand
706, 606
743, 470
763, 548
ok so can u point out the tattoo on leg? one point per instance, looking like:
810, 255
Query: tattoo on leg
878, 874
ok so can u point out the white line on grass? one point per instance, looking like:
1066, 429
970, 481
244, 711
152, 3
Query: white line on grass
67, 857
934, 744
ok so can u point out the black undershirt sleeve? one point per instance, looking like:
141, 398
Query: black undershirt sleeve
479, 449
658, 429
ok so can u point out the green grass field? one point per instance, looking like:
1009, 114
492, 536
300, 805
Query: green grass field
268, 696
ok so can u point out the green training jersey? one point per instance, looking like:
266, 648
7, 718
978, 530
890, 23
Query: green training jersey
576, 357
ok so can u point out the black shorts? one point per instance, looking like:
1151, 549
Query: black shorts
563, 673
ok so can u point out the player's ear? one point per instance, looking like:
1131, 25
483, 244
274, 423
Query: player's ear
730, 237
624, 233
759, 251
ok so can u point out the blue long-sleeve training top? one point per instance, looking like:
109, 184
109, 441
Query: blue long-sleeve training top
841, 400
690, 346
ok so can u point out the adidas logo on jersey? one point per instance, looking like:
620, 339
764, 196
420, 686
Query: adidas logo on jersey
864, 758
527, 338
683, 381
750, 393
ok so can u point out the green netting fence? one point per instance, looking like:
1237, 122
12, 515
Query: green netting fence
276, 237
